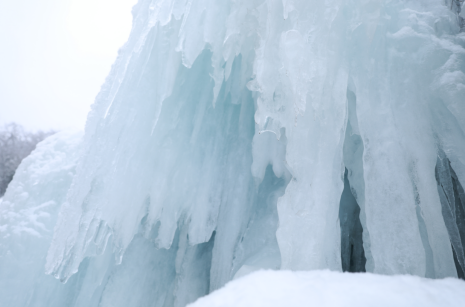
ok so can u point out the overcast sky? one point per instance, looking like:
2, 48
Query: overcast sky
55, 55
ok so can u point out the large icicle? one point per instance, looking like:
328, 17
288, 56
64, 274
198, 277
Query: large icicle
317, 86
393, 82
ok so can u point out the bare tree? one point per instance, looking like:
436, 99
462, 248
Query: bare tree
15, 145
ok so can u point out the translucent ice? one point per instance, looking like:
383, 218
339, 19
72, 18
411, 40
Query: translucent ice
171, 141
232, 136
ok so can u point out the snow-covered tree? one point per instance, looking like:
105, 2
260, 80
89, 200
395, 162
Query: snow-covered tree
15, 145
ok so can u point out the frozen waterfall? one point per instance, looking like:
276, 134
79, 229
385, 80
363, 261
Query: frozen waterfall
238, 135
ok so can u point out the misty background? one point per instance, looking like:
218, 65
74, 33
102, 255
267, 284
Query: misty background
54, 56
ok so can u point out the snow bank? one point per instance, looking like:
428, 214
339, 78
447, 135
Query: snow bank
28, 214
333, 289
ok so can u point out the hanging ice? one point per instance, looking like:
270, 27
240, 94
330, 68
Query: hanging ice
227, 131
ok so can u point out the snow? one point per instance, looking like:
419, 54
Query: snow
333, 289
28, 214
40, 184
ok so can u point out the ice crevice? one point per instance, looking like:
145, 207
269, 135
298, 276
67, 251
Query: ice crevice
452, 198
233, 136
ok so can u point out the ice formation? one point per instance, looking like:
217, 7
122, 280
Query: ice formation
232, 136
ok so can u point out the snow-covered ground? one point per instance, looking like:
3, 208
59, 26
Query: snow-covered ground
334, 289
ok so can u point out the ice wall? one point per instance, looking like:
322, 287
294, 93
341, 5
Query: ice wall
171, 139
219, 144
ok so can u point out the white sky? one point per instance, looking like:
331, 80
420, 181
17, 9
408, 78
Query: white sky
55, 55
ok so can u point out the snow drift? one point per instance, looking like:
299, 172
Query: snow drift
28, 214
232, 136
325, 288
